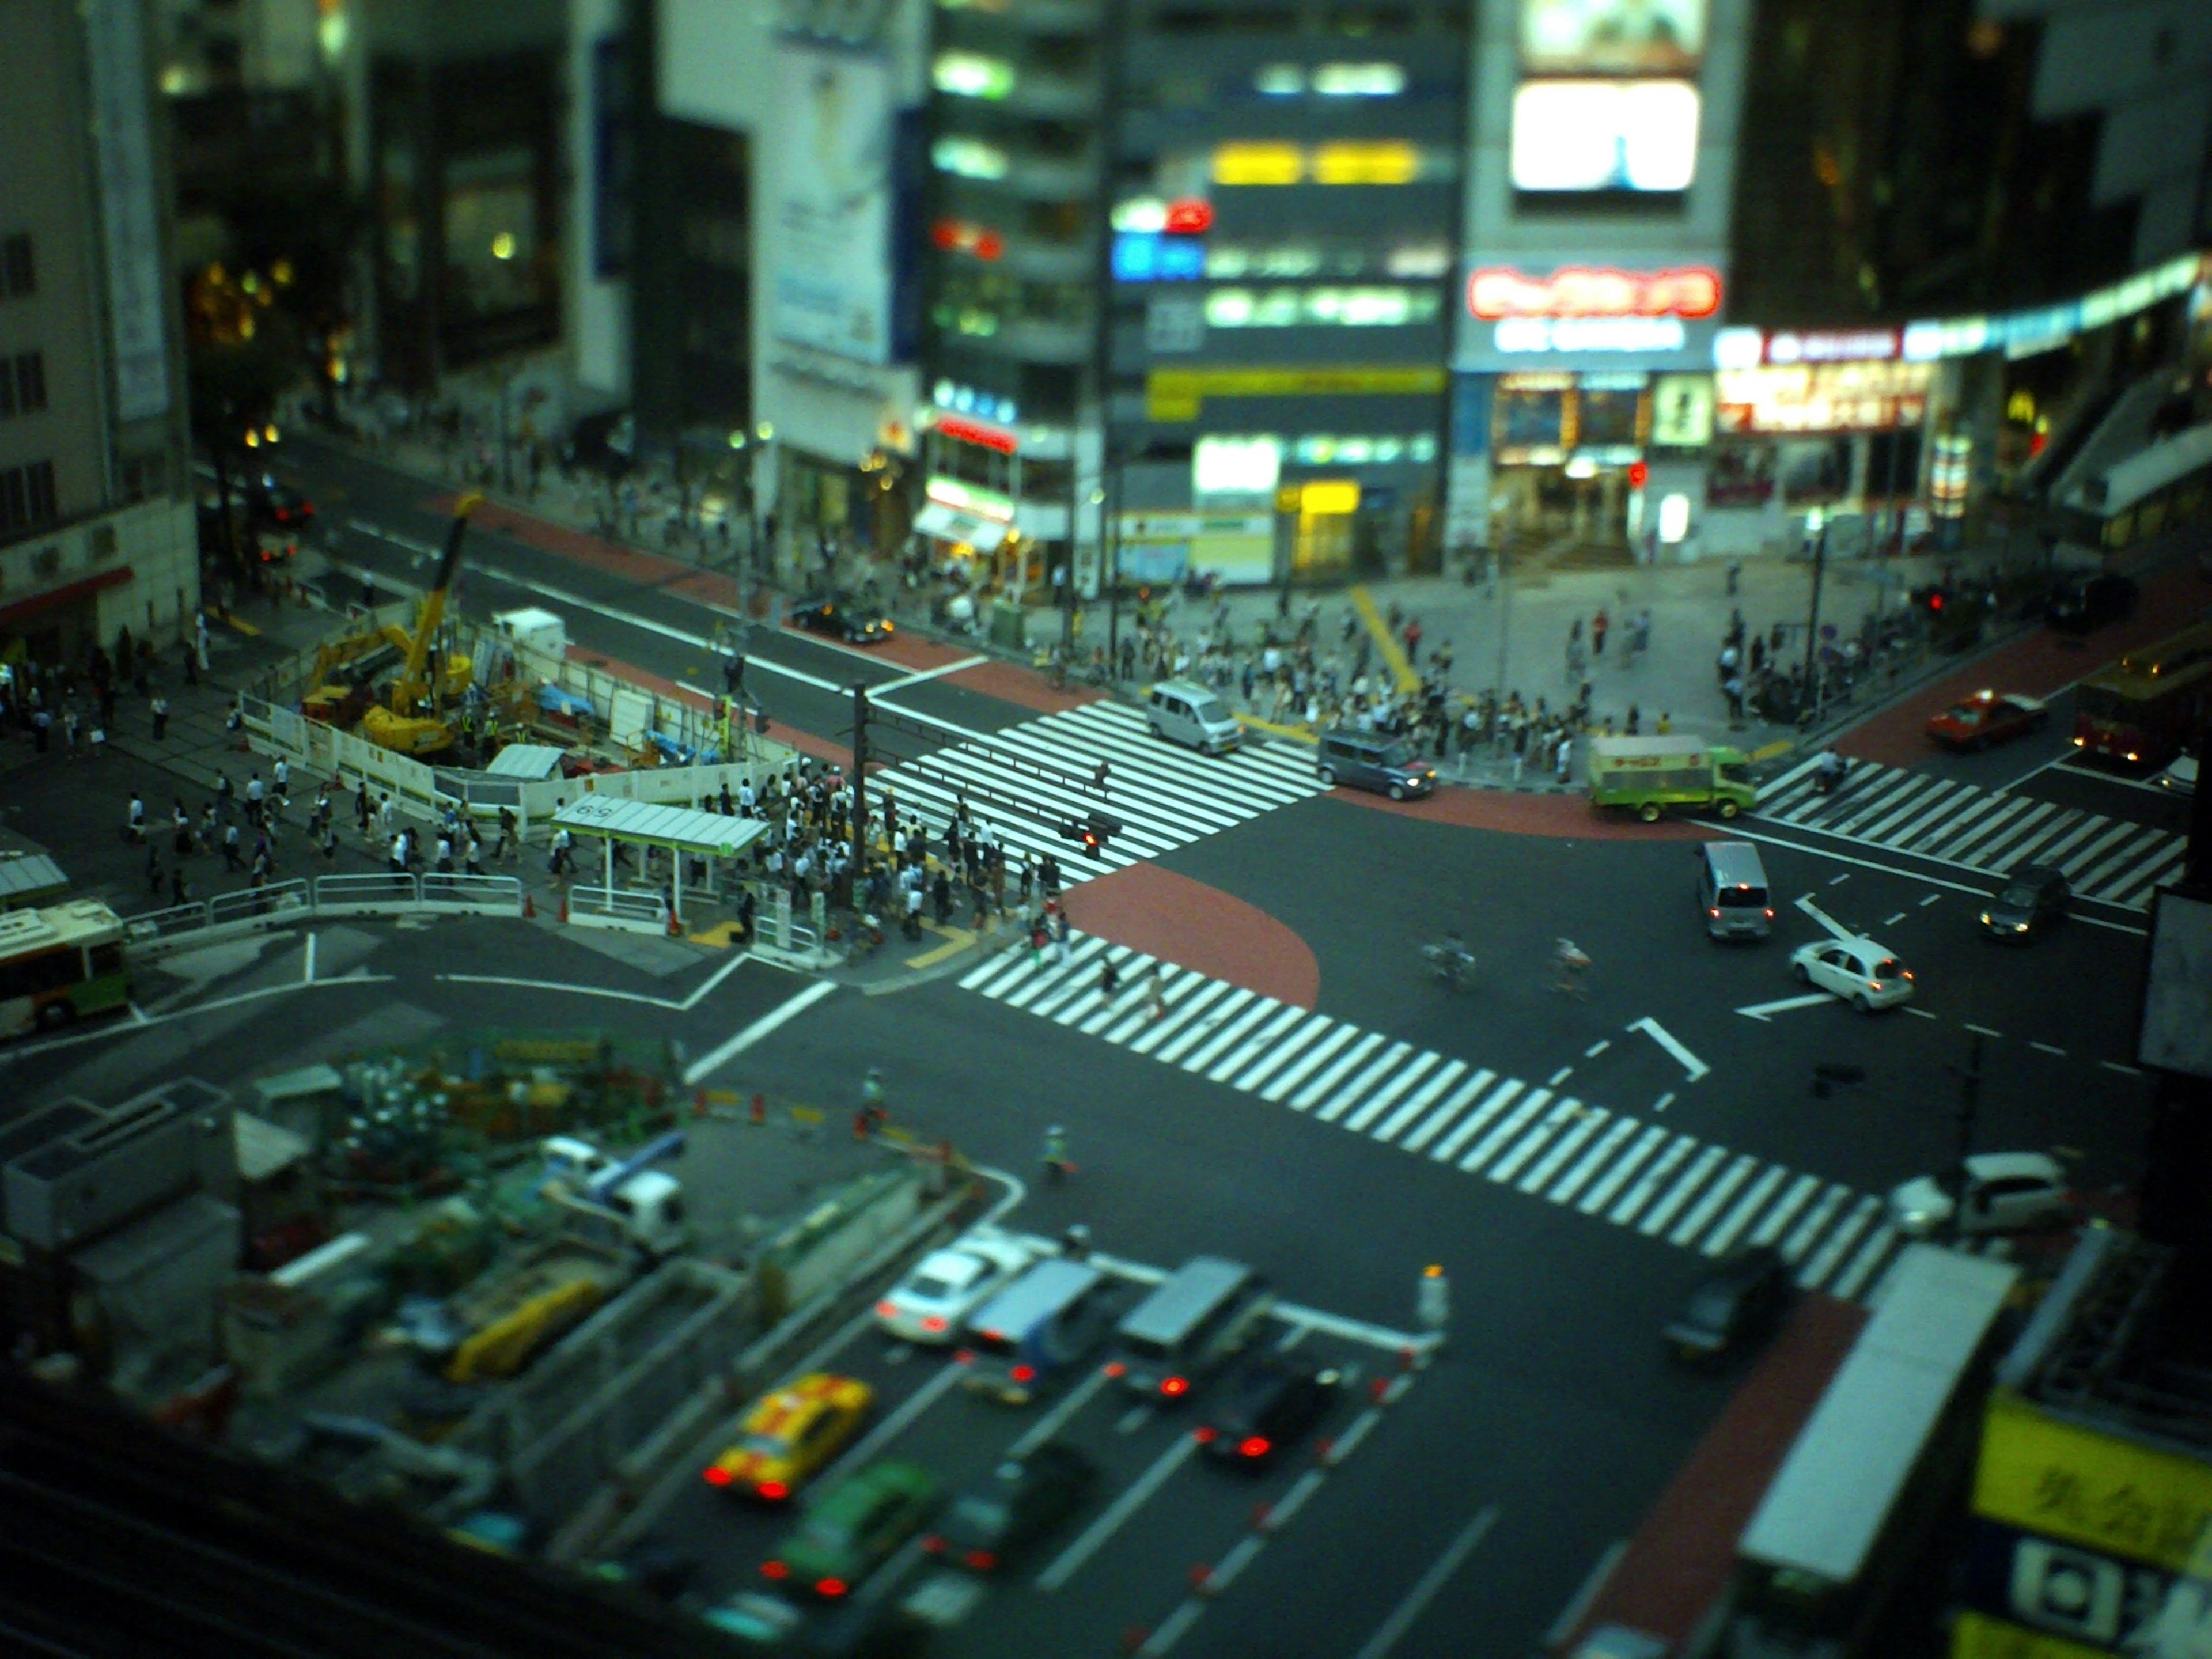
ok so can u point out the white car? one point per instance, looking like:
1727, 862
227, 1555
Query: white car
2180, 778
933, 1302
1866, 974
2005, 1192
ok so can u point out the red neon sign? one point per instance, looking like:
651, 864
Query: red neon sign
975, 432
1496, 292
1191, 218
959, 236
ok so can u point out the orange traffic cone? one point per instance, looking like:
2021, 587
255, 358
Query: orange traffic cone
564, 908
675, 927
529, 907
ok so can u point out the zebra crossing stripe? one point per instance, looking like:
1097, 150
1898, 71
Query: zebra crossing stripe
1313, 1091
1381, 1065
1772, 1223
1876, 1250
2130, 851
1647, 1186
1710, 1201
1284, 1053
1189, 995
1617, 1177
1909, 834
1588, 1120
1591, 1162
1994, 851
2165, 872
1739, 1218
1660, 1214
1255, 1044
1529, 1107
1500, 1099
1433, 1125
1839, 1240
1377, 1103
1291, 1078
1216, 1013
1421, 1099
1814, 1224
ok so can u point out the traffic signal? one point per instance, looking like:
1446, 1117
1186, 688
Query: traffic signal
1639, 474
1094, 830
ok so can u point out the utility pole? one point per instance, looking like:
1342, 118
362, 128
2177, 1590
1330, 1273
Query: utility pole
859, 790
1970, 1106
1812, 687
1504, 579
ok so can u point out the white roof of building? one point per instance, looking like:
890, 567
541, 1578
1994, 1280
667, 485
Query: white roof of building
526, 760
648, 823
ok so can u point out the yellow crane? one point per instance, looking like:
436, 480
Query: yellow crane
414, 723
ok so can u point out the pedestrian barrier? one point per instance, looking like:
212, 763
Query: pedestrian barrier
292, 903
255, 904
482, 895
627, 909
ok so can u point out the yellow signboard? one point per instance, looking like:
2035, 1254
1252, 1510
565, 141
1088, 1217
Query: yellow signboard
1979, 1635
2092, 1489
1178, 394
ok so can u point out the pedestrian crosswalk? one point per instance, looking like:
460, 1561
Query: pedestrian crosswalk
1915, 812
1163, 796
1505, 1130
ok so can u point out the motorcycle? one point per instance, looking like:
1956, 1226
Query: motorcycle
1450, 963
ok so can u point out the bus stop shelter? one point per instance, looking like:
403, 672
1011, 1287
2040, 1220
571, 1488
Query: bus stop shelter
681, 831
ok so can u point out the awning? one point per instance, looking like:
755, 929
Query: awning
648, 823
23, 610
29, 878
950, 524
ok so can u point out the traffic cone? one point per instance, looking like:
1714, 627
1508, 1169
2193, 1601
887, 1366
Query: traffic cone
675, 927
529, 907
564, 909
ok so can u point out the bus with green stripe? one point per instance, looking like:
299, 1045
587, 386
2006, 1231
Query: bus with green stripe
60, 963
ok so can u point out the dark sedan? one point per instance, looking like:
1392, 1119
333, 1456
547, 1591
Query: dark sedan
1740, 1299
2087, 601
2033, 897
842, 619
1264, 1406
1023, 1501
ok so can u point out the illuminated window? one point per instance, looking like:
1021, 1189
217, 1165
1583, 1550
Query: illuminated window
971, 158
1141, 213
1388, 449
1419, 259
1259, 164
1279, 81
1229, 307
1324, 307
1358, 79
1365, 163
971, 75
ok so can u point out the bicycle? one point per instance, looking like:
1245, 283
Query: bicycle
1569, 964
1450, 962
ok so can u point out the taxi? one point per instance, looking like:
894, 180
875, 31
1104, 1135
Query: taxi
790, 1434
1988, 717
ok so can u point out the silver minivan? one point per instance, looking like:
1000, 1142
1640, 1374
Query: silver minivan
1191, 1323
1732, 890
1192, 716
1019, 1342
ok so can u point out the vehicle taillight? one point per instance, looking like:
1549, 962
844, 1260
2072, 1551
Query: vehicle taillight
932, 1545
1254, 1445
933, 1322
1770, 916
1023, 1373
982, 1560
1174, 1386
964, 1357
717, 1475
1204, 1437
887, 1310
1717, 915
773, 1490
1116, 1368
775, 1570
831, 1588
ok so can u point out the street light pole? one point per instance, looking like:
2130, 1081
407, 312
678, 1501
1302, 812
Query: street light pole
1970, 1104
1819, 526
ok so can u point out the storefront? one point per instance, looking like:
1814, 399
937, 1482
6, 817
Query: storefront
1583, 401
971, 502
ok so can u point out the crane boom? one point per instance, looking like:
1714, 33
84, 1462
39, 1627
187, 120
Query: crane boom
432, 613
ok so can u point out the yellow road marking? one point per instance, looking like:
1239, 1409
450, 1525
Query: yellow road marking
956, 940
1295, 734
722, 934
1769, 750
239, 622
1393, 654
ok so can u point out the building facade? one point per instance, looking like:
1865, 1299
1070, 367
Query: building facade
96, 525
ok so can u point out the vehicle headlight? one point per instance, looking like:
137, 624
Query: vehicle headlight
2019, 928
1985, 919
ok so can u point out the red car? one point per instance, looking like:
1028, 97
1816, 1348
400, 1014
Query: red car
1988, 717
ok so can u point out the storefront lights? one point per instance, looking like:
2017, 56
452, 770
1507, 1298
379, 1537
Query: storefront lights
972, 74
1359, 80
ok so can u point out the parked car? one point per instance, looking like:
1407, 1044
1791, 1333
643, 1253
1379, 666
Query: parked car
791, 1435
1366, 760
932, 1302
2033, 897
852, 1528
2006, 1192
2180, 778
1740, 1299
1023, 1501
1989, 717
2088, 600
1866, 974
852, 623
1265, 1405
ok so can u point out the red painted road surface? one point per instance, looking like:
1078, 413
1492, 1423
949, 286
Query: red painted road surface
1198, 928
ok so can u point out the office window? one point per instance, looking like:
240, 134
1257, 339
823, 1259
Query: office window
26, 496
30, 381
18, 272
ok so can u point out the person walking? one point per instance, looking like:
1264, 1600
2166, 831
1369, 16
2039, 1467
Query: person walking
1057, 1164
1109, 979
1600, 624
1412, 640
180, 891
283, 784
231, 862
180, 829
505, 851
160, 706
1565, 759
134, 821
256, 793
474, 861
154, 873
387, 819
1155, 993
563, 854
361, 806
1098, 779
445, 865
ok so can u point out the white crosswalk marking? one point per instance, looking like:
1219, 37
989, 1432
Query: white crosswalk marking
1941, 819
1518, 1134
1163, 796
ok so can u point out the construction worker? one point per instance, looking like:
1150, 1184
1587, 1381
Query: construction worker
1432, 1301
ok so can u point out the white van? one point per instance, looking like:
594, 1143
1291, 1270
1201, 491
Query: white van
1732, 890
1192, 716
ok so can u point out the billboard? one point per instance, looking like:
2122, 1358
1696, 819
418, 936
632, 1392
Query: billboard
832, 219
1612, 37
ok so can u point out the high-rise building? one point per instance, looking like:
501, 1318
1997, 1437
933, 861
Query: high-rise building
96, 525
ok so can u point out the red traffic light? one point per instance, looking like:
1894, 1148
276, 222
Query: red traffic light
1639, 474
1934, 601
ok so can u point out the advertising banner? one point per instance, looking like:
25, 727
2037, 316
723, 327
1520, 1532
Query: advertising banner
1612, 37
832, 218
2078, 1486
1609, 96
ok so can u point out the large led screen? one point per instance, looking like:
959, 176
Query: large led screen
1604, 134
1638, 37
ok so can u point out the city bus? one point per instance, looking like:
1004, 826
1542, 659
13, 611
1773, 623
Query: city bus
2142, 709
58, 964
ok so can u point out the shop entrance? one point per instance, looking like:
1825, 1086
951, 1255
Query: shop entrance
1582, 504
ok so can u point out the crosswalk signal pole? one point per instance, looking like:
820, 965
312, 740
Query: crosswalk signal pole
860, 790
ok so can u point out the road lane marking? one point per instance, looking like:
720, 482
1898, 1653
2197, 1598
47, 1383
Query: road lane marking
1560, 1076
1639, 1195
1934, 897
1597, 1048
1738, 1219
1869, 1257
714, 1057
1983, 1030
1837, 880
1709, 1202
1135, 1418
1401, 1618
308, 963
1070, 1403
1892, 922
1659, 1034
1836, 928
2115, 1066
1760, 1011
905, 680
1681, 1192
863, 1449
2046, 1048
1663, 1102
1093, 1537
1772, 1223
1920, 1013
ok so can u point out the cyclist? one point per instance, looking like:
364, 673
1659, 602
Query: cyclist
1569, 964
1057, 1166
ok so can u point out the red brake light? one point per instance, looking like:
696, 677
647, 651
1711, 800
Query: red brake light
964, 1357
1023, 1373
1116, 1368
1770, 916
1717, 915
773, 1490
1204, 1437
887, 1309
717, 1475
1174, 1386
933, 1322
982, 1560
775, 1570
1255, 1445
831, 1588
932, 1545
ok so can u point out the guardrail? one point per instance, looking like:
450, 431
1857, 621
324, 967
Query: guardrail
628, 909
291, 904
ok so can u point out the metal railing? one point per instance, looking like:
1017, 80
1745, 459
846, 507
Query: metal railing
290, 903
638, 909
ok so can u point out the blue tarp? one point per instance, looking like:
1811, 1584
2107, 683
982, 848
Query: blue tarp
555, 701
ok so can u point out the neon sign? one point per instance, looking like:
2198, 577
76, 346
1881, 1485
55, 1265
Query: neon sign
975, 432
1497, 293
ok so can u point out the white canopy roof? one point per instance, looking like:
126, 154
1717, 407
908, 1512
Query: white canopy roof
649, 823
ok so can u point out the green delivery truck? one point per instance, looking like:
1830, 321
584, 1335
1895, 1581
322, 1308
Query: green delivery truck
1647, 775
